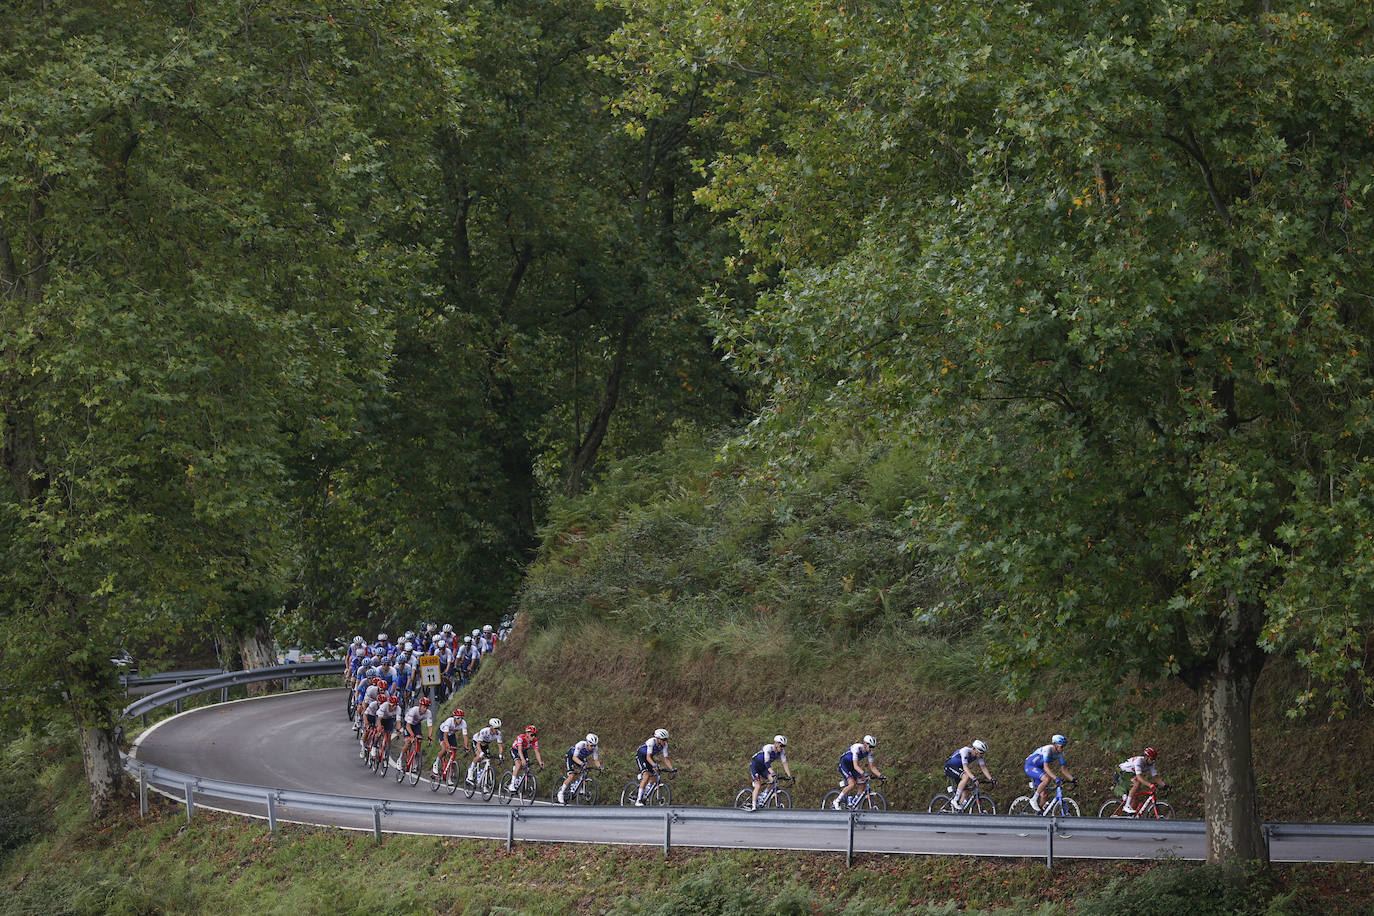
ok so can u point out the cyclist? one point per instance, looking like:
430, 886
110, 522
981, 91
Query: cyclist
960, 767
854, 763
388, 708
520, 751
1038, 769
656, 745
761, 766
368, 711
413, 717
481, 746
368, 690
577, 757
488, 642
453, 734
1138, 767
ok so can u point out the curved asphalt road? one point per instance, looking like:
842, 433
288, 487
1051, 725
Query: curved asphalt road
301, 741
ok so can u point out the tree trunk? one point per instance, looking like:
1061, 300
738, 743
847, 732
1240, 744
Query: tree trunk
258, 650
104, 772
1229, 792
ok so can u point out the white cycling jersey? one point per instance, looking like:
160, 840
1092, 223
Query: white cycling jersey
1139, 766
582, 750
488, 734
655, 746
415, 713
452, 726
388, 710
372, 706
370, 694
772, 752
859, 751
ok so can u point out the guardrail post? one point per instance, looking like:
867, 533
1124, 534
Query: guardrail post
224, 694
190, 800
1049, 849
285, 684
272, 812
849, 849
510, 832
377, 822
1268, 835
667, 833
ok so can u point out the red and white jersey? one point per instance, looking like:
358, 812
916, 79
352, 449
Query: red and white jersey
1138, 765
524, 742
415, 713
452, 726
388, 710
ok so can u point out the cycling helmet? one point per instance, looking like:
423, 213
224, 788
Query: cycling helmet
448, 628
661, 734
486, 629
409, 634
381, 637
457, 714
424, 701
476, 633
531, 730
440, 644
780, 740
395, 699
378, 682
432, 627
358, 640
1151, 753
980, 746
870, 741
467, 640
1059, 740
592, 739
494, 723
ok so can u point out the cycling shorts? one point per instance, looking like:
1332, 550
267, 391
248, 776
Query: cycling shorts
758, 770
485, 748
645, 761
572, 762
847, 770
1035, 771
515, 756
954, 774
372, 718
452, 739
413, 729
388, 724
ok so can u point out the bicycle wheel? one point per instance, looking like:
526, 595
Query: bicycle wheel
661, 795
745, 798
383, 757
781, 799
829, 800
588, 792
529, 788
940, 804
1066, 807
507, 790
875, 802
983, 805
417, 765
629, 794
1021, 806
451, 776
435, 780
1110, 808
1164, 811
352, 708
487, 783
402, 766
469, 782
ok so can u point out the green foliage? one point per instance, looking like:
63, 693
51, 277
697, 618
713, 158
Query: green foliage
1203, 890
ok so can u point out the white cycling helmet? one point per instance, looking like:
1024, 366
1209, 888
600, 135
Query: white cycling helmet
476, 633
486, 628
448, 628
1059, 740
661, 734
439, 644
467, 640
980, 746
410, 634
780, 740
592, 739
358, 640
494, 723
381, 637
870, 741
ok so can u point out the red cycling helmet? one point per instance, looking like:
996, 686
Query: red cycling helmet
531, 730
395, 699
457, 714
1151, 753
424, 701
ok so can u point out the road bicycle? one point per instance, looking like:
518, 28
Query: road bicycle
975, 801
1147, 805
583, 790
770, 795
656, 790
1059, 805
378, 755
412, 763
864, 799
523, 786
483, 780
448, 771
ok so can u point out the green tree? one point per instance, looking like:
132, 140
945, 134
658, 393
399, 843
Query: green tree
1114, 260
191, 278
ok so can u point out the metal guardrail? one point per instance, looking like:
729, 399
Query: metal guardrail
222, 682
128, 681
187, 787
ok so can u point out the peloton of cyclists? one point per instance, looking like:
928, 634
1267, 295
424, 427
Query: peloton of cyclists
1039, 768
578, 756
854, 763
960, 767
761, 765
656, 745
